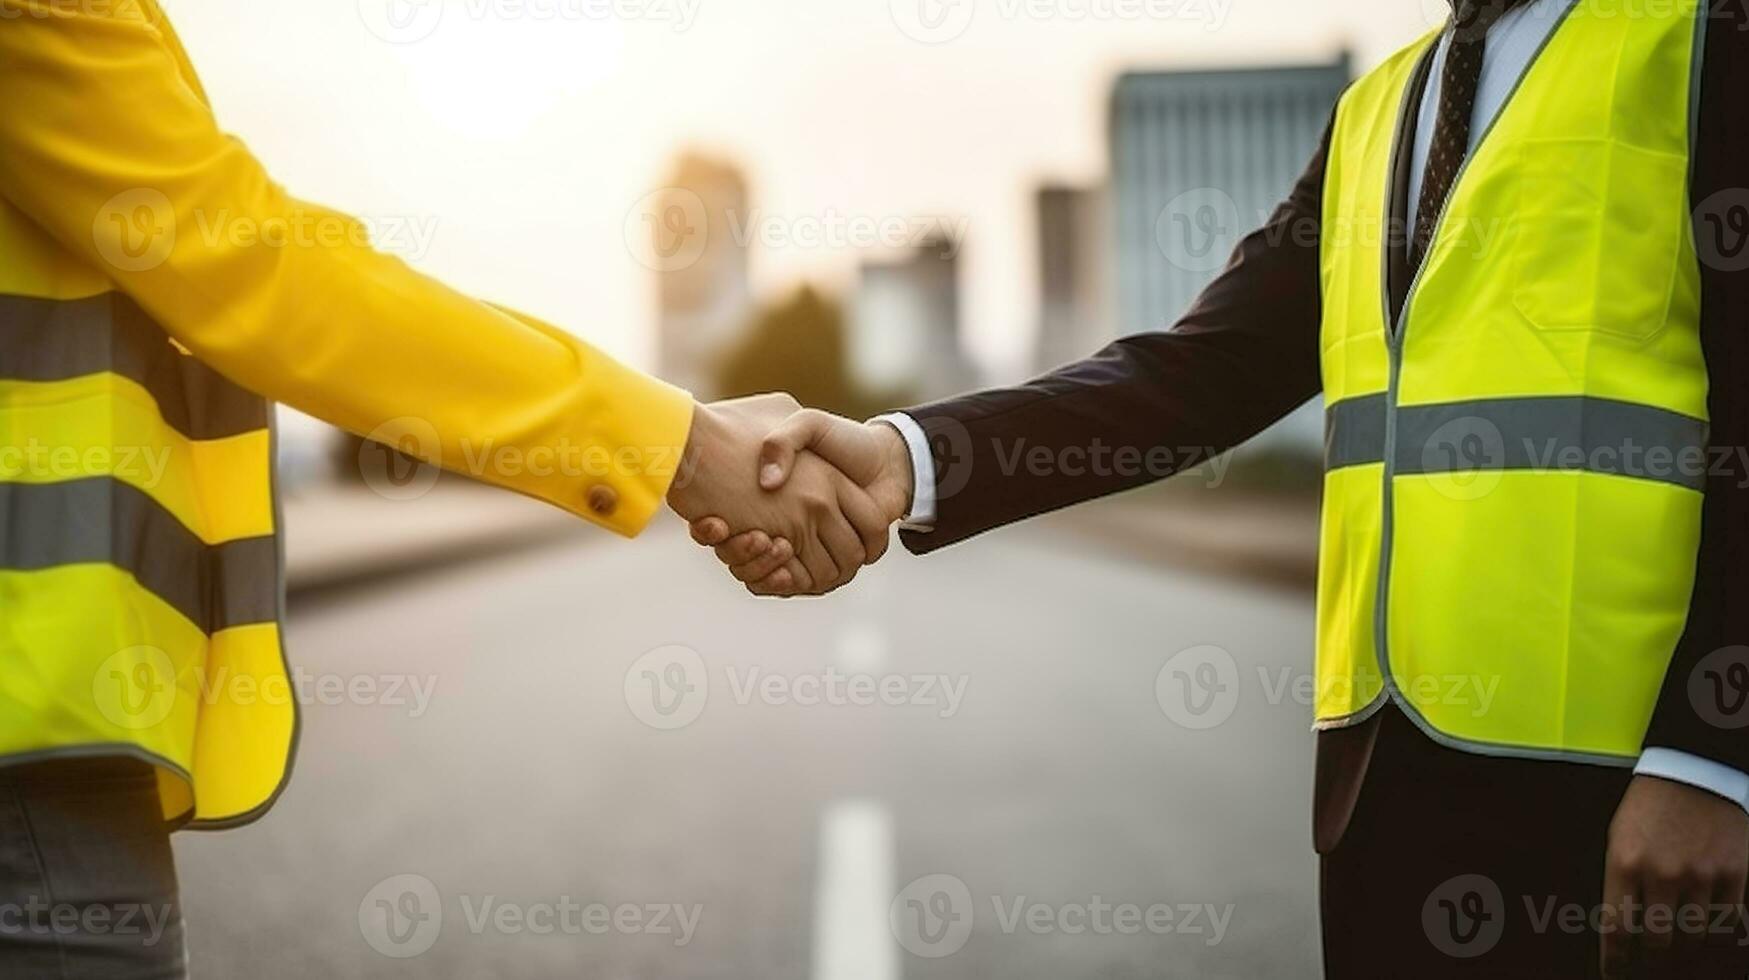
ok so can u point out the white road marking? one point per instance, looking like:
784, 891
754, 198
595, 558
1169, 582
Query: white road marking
852, 939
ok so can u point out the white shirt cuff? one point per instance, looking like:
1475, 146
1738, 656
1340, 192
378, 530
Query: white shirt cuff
1692, 770
922, 515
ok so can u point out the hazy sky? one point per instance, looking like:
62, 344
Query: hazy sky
501, 144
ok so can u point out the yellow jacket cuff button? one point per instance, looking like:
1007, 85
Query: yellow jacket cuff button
603, 500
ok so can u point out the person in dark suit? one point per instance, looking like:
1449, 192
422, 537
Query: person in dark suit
1595, 832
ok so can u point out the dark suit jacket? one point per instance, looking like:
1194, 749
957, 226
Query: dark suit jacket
1246, 354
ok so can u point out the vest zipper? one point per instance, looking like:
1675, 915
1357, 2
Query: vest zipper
1394, 338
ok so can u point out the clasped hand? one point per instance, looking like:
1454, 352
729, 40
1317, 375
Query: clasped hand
795, 501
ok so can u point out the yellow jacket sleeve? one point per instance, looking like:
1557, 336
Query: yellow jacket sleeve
107, 144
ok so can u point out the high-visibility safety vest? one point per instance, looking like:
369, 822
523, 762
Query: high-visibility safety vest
140, 572
1514, 467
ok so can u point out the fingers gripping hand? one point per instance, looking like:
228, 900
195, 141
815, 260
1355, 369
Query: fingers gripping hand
873, 493
837, 485
830, 519
766, 565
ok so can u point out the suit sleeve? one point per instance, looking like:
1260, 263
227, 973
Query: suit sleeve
1147, 406
104, 136
1716, 637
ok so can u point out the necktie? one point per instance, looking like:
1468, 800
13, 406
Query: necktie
1471, 20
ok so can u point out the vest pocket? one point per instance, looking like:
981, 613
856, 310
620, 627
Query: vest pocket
1599, 225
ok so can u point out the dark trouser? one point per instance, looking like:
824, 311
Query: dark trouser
1464, 865
87, 884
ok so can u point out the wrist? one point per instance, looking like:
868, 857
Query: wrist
706, 430
897, 480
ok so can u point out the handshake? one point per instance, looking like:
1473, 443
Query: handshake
795, 501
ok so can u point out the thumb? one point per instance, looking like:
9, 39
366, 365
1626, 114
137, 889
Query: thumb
777, 455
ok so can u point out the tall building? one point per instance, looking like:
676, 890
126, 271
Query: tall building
704, 298
905, 325
1199, 159
1075, 273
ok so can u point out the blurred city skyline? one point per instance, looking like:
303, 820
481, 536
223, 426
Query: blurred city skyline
1190, 154
519, 137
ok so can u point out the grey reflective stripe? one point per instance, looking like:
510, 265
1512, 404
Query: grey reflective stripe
1354, 432
56, 340
105, 520
1565, 433
1569, 433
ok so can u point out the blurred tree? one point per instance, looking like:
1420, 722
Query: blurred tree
798, 346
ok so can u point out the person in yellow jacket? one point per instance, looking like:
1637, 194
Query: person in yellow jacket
140, 594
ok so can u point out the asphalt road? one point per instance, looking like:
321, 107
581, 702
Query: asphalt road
600, 759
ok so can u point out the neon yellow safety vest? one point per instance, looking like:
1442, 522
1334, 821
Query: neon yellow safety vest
139, 556
1512, 498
